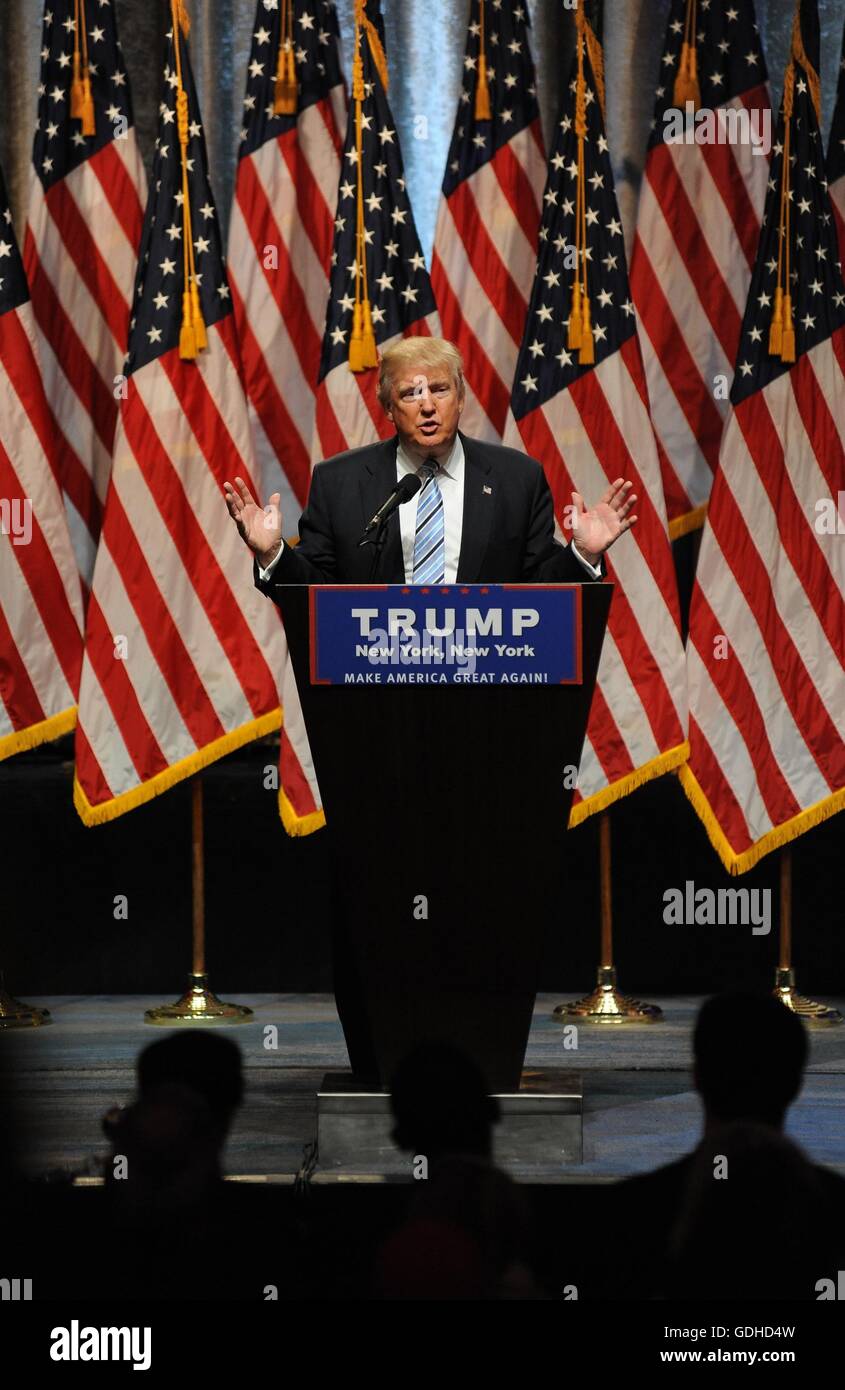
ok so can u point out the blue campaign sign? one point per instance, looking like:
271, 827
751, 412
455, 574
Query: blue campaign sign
459, 634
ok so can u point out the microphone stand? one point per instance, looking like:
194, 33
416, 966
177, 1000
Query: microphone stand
377, 543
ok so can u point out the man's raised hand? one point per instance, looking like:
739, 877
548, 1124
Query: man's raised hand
595, 529
260, 527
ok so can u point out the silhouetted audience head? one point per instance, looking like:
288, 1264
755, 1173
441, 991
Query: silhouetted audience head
167, 1146
750, 1053
206, 1063
754, 1220
440, 1103
468, 1232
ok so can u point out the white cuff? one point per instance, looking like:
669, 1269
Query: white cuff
594, 570
265, 574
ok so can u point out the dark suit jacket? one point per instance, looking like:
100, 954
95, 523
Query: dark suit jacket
508, 524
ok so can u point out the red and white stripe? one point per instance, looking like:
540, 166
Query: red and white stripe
285, 201
80, 255
204, 649
40, 593
766, 650
586, 436
697, 229
482, 272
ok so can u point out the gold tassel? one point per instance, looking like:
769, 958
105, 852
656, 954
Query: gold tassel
587, 350
482, 91
686, 80
776, 325
787, 351
285, 94
89, 126
575, 332
183, 17
200, 333
187, 336
76, 94
377, 52
368, 336
362, 344
356, 341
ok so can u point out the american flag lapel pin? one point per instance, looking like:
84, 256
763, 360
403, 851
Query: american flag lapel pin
488, 490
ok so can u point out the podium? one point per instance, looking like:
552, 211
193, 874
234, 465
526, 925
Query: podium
447, 806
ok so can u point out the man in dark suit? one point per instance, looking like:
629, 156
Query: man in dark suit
483, 514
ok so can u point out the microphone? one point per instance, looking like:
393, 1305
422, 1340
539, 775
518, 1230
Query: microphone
409, 484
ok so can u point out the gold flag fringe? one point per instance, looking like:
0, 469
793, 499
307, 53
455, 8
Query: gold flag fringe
689, 521
781, 834
163, 781
296, 825
669, 761
19, 740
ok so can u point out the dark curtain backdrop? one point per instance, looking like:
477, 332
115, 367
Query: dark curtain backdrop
425, 42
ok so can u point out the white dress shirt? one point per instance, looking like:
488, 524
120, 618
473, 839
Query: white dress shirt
450, 479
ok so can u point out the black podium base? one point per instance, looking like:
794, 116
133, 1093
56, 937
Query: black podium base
540, 1128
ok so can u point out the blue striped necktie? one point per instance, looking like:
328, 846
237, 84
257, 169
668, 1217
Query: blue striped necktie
430, 537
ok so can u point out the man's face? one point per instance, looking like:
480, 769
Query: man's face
425, 408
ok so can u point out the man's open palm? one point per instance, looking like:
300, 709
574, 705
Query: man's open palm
260, 527
595, 528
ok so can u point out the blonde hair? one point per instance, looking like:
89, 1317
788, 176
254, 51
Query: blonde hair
421, 352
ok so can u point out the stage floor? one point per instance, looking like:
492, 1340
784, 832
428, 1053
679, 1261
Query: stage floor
639, 1106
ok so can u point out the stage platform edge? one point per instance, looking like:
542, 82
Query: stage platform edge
540, 1126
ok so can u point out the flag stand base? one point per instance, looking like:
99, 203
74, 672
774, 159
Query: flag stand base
807, 1009
607, 1005
198, 1005
14, 1014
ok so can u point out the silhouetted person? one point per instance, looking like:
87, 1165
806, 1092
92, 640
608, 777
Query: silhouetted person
756, 1220
165, 1197
745, 1214
466, 1235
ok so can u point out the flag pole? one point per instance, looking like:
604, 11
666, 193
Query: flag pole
808, 1009
198, 1004
606, 1004
14, 1014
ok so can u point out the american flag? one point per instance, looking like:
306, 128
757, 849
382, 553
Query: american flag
587, 422
766, 651
81, 246
280, 238
182, 652
388, 273
697, 228
836, 154
40, 591
485, 243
